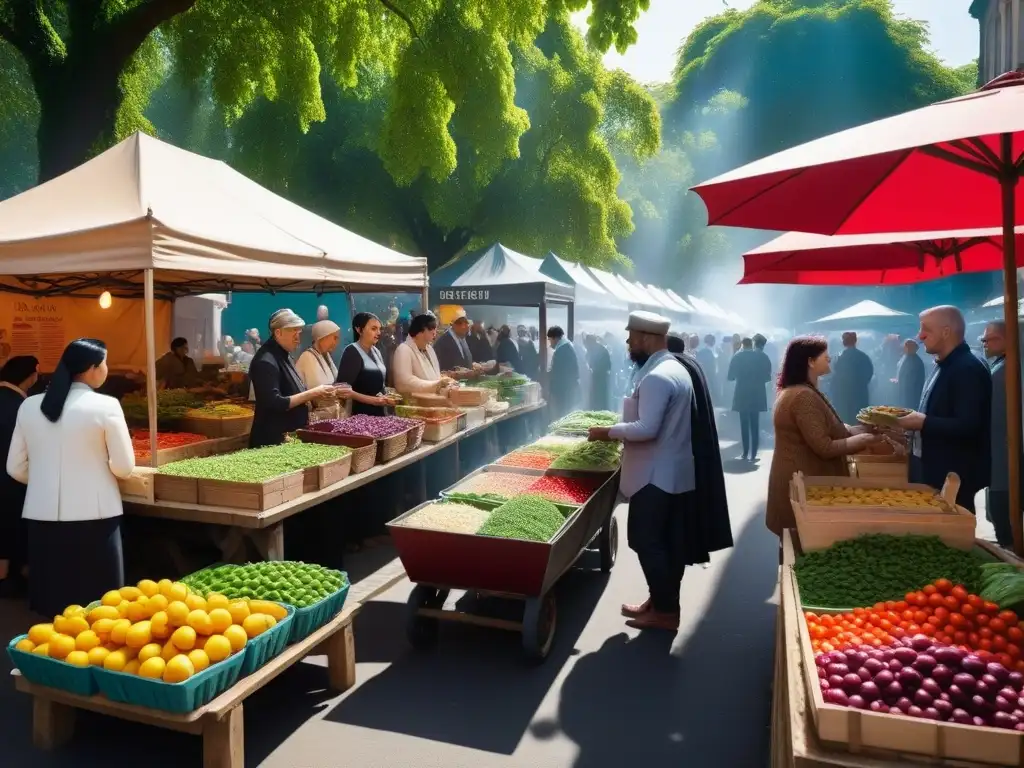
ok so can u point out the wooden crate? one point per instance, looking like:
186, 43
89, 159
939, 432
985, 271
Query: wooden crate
323, 475
890, 736
184, 490
201, 449
869, 466
140, 487
229, 426
822, 526
257, 496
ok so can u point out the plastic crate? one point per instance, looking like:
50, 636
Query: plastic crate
53, 673
308, 620
184, 697
262, 648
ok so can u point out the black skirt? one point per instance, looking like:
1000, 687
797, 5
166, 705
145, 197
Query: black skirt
73, 563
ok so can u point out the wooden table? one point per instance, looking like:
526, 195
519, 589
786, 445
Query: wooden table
220, 723
265, 530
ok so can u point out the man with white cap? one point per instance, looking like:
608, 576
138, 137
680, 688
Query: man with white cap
657, 468
280, 395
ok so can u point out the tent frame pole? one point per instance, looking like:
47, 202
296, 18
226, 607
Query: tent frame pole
151, 403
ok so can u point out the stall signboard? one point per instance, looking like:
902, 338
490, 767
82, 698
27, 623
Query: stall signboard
510, 295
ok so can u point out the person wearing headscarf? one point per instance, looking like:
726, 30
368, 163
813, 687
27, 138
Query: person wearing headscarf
17, 377
316, 367
281, 397
69, 447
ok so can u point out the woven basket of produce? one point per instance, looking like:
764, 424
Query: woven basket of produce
364, 449
389, 448
415, 439
470, 396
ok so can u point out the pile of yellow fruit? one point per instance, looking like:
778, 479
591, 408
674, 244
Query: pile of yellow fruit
158, 630
900, 498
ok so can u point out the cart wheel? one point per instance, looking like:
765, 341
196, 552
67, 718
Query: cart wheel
608, 544
539, 620
422, 631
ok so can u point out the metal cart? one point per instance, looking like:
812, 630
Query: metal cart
489, 567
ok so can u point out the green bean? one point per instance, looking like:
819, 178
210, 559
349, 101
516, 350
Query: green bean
255, 465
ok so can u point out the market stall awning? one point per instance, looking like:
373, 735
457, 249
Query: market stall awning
589, 292
201, 225
500, 276
679, 307
640, 297
612, 285
862, 310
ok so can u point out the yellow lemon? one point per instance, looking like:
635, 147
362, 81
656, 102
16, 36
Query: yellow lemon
164, 585
237, 637
139, 635
149, 651
178, 669
122, 609
132, 667
73, 610
119, 632
139, 610
217, 648
199, 659
177, 613
158, 603
104, 626
40, 633
184, 638
25, 645
148, 587
216, 600
199, 620
61, 646
220, 619
115, 661
268, 607
43, 649
169, 651
257, 623
130, 593
239, 609
87, 640
178, 591
60, 624
112, 598
102, 612
75, 626
78, 658
153, 668
195, 602
160, 626
97, 656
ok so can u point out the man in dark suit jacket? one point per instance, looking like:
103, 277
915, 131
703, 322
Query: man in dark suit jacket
851, 377
910, 376
950, 430
17, 377
564, 378
452, 347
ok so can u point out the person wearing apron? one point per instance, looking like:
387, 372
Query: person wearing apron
658, 475
362, 367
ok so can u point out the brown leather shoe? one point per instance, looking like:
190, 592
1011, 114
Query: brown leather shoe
632, 611
655, 620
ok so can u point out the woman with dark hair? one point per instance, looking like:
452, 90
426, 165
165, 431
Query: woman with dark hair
70, 446
415, 364
507, 351
809, 435
362, 367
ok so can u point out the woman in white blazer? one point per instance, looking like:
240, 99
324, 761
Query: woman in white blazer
415, 363
70, 446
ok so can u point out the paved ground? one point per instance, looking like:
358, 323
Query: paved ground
605, 697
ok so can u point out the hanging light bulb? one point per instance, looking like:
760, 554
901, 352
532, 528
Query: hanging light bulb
105, 300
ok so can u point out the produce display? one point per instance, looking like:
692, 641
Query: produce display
587, 456
285, 581
563, 490
823, 496
878, 568
505, 386
499, 486
171, 404
451, 517
218, 411
556, 443
159, 630
579, 422
882, 415
427, 414
164, 440
1002, 583
528, 517
529, 458
377, 427
255, 465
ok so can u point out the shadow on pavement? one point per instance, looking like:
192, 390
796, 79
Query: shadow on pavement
475, 689
704, 704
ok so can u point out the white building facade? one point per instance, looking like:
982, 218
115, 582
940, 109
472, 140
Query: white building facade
1001, 27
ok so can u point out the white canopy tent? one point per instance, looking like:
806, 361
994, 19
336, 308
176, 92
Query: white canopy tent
862, 310
612, 285
680, 307
589, 291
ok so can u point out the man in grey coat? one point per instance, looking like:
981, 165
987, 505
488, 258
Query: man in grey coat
997, 496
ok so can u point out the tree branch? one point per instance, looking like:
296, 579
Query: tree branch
28, 30
129, 30
402, 15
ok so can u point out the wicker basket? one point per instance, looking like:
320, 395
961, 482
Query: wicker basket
416, 436
364, 449
389, 448
470, 396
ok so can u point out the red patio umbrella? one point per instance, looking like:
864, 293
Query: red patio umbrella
954, 164
901, 258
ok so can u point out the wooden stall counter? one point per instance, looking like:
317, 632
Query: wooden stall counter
220, 723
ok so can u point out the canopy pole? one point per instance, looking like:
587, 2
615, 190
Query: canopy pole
425, 306
570, 309
151, 404
1008, 180
543, 342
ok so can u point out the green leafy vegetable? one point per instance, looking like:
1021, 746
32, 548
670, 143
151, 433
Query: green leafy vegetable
590, 456
578, 422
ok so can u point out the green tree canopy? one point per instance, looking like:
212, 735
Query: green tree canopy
93, 65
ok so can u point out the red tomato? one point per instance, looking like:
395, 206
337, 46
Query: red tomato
959, 593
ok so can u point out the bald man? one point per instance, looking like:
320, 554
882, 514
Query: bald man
951, 427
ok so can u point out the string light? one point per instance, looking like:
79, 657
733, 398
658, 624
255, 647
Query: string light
106, 300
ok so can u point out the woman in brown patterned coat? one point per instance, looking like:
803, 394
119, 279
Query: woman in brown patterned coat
809, 435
